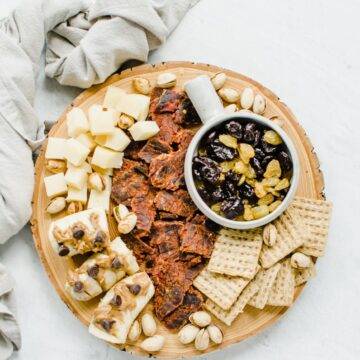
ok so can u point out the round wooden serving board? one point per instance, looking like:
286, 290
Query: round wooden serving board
252, 321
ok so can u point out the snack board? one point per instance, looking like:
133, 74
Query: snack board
252, 320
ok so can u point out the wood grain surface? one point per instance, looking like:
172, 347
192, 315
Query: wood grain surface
311, 185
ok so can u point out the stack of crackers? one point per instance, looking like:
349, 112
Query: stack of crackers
245, 271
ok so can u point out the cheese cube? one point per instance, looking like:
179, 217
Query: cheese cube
135, 105
84, 166
77, 194
76, 152
55, 148
77, 122
55, 185
102, 120
107, 172
99, 199
113, 96
106, 158
117, 141
87, 140
76, 178
144, 130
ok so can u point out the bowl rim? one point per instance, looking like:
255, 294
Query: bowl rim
190, 183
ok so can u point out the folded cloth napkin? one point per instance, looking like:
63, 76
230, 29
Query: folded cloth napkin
86, 41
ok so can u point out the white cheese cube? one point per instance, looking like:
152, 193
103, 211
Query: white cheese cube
55, 185
76, 178
84, 166
76, 152
135, 105
87, 140
77, 194
117, 141
77, 122
99, 200
106, 158
113, 96
144, 130
102, 120
55, 148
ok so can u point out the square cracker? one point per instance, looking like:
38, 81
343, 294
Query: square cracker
303, 275
283, 290
315, 215
223, 290
265, 280
236, 252
228, 316
290, 235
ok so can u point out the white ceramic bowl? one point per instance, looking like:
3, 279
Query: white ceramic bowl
211, 112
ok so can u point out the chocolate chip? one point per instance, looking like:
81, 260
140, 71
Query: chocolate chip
93, 271
107, 324
78, 286
116, 263
116, 300
78, 234
100, 237
63, 250
134, 288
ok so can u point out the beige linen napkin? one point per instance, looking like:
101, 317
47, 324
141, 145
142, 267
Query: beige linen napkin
86, 42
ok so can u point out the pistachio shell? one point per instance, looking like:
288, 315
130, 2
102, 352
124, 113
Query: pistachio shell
202, 340
74, 207
120, 212
153, 344
166, 80
56, 205
97, 181
218, 80
229, 95
231, 108
135, 331
128, 223
148, 324
300, 261
269, 235
141, 85
200, 318
259, 105
215, 334
188, 333
247, 98
125, 121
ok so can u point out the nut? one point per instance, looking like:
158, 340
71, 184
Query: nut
202, 340
74, 207
200, 318
125, 121
300, 261
153, 344
166, 80
269, 234
188, 334
141, 85
229, 95
56, 205
148, 324
120, 212
135, 331
215, 334
231, 108
259, 105
247, 98
97, 181
218, 80
127, 224
55, 166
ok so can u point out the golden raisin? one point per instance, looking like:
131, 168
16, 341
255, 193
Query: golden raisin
266, 200
274, 205
273, 169
246, 152
248, 215
270, 182
240, 167
283, 184
228, 141
272, 137
260, 190
260, 211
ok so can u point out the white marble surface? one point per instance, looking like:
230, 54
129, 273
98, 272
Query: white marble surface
307, 52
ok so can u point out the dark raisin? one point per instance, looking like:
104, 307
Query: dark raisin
259, 153
232, 177
93, 271
219, 152
116, 263
63, 250
232, 207
285, 161
257, 137
211, 225
78, 286
207, 139
205, 195
268, 149
266, 160
234, 128
116, 300
134, 289
107, 324
217, 195
100, 237
256, 165
249, 132
78, 234
206, 169
229, 189
247, 192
